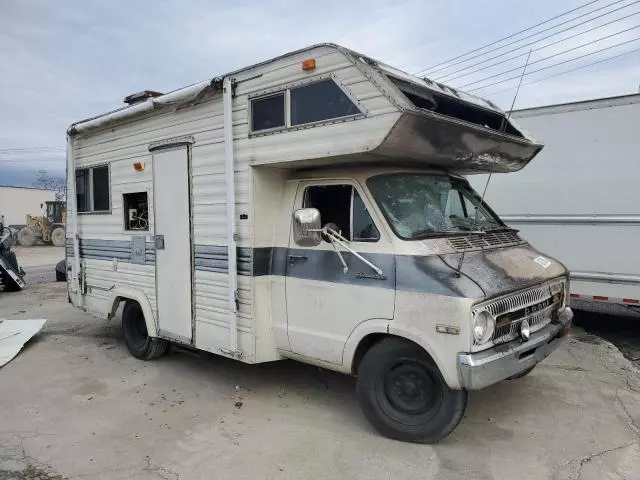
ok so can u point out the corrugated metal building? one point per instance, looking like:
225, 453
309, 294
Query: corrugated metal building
17, 202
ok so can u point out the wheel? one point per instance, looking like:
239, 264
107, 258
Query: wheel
522, 374
27, 237
60, 276
134, 329
58, 237
9, 284
403, 395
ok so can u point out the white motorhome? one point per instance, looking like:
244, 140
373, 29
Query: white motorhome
312, 207
579, 200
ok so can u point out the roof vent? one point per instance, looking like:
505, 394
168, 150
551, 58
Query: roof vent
140, 96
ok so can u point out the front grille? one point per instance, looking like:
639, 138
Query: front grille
538, 305
481, 241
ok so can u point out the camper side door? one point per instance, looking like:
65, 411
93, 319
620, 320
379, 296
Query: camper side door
325, 303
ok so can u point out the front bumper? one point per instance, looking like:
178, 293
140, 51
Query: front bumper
481, 369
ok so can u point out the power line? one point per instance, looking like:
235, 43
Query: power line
551, 56
508, 36
535, 49
430, 71
557, 64
564, 72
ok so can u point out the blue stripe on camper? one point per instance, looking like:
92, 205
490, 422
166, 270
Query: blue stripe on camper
110, 249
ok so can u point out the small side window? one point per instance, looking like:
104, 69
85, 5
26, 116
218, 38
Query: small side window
136, 211
364, 230
320, 101
267, 112
100, 189
82, 190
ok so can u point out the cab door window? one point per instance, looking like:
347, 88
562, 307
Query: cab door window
342, 206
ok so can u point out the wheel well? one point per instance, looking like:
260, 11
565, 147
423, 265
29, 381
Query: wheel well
369, 341
116, 304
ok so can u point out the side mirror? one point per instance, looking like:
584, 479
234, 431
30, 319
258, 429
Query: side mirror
306, 227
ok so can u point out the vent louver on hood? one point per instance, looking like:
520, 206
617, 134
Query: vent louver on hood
485, 240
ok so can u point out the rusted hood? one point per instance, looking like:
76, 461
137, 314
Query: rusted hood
453, 144
504, 270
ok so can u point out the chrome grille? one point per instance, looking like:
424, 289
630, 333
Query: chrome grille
485, 240
527, 304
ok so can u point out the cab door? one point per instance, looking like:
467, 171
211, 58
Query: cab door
325, 302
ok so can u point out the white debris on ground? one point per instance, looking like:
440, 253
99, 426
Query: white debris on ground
14, 334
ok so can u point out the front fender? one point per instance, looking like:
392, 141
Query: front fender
391, 328
139, 296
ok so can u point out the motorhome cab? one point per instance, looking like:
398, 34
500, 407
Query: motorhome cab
314, 207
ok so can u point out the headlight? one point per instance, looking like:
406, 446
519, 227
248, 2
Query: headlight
483, 326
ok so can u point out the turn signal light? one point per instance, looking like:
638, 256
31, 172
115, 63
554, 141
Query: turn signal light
309, 64
138, 166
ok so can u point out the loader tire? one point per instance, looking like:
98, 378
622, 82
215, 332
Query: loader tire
27, 237
58, 237
134, 330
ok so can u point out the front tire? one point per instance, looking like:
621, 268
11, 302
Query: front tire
403, 395
134, 330
58, 237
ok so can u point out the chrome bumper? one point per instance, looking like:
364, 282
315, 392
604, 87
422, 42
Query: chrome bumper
481, 369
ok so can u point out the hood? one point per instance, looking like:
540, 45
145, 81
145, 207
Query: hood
507, 269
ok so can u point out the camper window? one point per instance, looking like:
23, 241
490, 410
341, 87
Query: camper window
136, 211
92, 189
342, 206
320, 101
267, 113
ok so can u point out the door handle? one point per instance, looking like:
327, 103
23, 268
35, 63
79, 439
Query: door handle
159, 241
297, 258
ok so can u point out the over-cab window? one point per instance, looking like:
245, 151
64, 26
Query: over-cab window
314, 102
342, 206
318, 101
92, 189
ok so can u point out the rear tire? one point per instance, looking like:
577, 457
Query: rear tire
27, 237
403, 395
138, 341
58, 237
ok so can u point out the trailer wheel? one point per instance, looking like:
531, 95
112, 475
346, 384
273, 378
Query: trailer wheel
403, 395
27, 237
58, 237
138, 341
9, 284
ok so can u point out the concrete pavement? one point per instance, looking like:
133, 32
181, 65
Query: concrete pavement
74, 403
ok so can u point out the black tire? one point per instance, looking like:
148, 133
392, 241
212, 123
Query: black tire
60, 276
523, 373
134, 329
9, 284
420, 408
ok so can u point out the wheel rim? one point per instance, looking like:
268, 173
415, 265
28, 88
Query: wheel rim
409, 392
138, 331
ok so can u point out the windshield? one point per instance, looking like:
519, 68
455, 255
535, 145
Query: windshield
420, 205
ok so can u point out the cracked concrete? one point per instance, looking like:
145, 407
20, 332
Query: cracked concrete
75, 405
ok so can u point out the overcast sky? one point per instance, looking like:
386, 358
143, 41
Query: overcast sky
66, 60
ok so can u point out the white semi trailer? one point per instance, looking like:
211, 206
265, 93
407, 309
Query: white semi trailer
580, 201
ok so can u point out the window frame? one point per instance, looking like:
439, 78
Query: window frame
124, 212
286, 89
354, 187
89, 169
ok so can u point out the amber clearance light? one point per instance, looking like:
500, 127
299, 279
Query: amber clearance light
309, 64
138, 166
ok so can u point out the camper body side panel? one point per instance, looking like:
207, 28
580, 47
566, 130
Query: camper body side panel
578, 200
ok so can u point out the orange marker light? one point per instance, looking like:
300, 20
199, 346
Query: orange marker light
138, 166
309, 64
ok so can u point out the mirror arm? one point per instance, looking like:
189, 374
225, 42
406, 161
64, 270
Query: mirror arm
345, 268
340, 240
